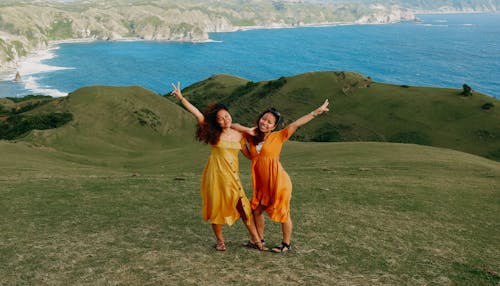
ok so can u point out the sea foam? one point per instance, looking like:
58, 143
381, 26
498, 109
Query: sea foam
33, 65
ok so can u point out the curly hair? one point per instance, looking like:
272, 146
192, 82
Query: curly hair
259, 137
209, 131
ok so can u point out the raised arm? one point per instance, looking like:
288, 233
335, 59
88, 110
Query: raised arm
191, 108
292, 127
244, 129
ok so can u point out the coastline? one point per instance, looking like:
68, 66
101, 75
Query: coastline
31, 65
8, 72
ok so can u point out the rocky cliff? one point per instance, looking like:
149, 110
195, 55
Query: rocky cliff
27, 25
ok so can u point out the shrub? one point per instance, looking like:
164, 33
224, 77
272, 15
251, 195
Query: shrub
329, 133
487, 106
467, 90
494, 155
28, 107
414, 137
18, 125
28, 97
146, 117
483, 135
275, 84
242, 90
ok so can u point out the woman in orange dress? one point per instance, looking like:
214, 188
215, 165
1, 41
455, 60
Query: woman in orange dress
223, 198
272, 188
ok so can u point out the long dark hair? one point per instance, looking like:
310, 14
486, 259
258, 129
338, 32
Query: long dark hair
209, 131
259, 137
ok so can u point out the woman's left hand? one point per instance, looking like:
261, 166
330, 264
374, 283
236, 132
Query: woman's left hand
177, 91
322, 108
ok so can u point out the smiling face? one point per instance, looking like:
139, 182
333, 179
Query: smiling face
267, 122
224, 119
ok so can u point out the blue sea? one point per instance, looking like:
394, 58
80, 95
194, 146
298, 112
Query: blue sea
445, 50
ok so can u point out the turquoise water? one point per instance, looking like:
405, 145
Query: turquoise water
440, 51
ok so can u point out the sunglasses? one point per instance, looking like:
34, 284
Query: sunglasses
274, 112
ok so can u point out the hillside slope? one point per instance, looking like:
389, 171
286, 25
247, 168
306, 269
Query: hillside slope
118, 120
363, 110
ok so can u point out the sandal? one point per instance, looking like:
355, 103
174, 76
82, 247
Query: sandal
261, 245
220, 246
281, 249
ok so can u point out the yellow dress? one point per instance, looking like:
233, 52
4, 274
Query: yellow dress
221, 188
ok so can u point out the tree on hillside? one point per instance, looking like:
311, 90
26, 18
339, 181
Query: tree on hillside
467, 90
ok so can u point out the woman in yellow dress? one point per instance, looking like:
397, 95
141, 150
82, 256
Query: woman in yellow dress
272, 187
223, 198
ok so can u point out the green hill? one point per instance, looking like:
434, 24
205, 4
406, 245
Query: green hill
111, 114
111, 121
363, 110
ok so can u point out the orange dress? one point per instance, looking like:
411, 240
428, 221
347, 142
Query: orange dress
221, 188
272, 187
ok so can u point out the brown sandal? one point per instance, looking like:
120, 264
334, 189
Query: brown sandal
220, 246
260, 245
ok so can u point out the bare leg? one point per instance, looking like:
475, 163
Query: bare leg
286, 227
260, 222
217, 228
252, 230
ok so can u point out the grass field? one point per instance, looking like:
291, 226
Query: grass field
364, 214
112, 197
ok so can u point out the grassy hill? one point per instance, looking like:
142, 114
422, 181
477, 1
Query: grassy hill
364, 110
112, 197
118, 120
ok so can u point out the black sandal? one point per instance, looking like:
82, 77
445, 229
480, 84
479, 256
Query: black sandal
281, 249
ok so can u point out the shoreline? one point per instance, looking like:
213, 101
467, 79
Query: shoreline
8, 72
9, 69
31, 65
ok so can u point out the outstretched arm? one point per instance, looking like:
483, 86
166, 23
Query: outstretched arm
191, 108
292, 127
244, 129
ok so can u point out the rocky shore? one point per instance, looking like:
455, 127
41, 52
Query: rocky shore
28, 28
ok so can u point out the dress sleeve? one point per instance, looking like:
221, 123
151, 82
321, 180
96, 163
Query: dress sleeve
284, 134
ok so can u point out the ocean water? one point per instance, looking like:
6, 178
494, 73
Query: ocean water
445, 50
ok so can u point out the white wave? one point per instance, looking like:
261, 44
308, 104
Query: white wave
33, 64
5, 75
433, 25
31, 84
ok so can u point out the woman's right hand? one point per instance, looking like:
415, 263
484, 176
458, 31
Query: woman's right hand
252, 131
177, 91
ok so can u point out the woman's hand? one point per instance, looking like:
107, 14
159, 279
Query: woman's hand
249, 130
191, 108
323, 108
252, 131
177, 91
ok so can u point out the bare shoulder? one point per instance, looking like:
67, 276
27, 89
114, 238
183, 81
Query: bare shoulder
232, 135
